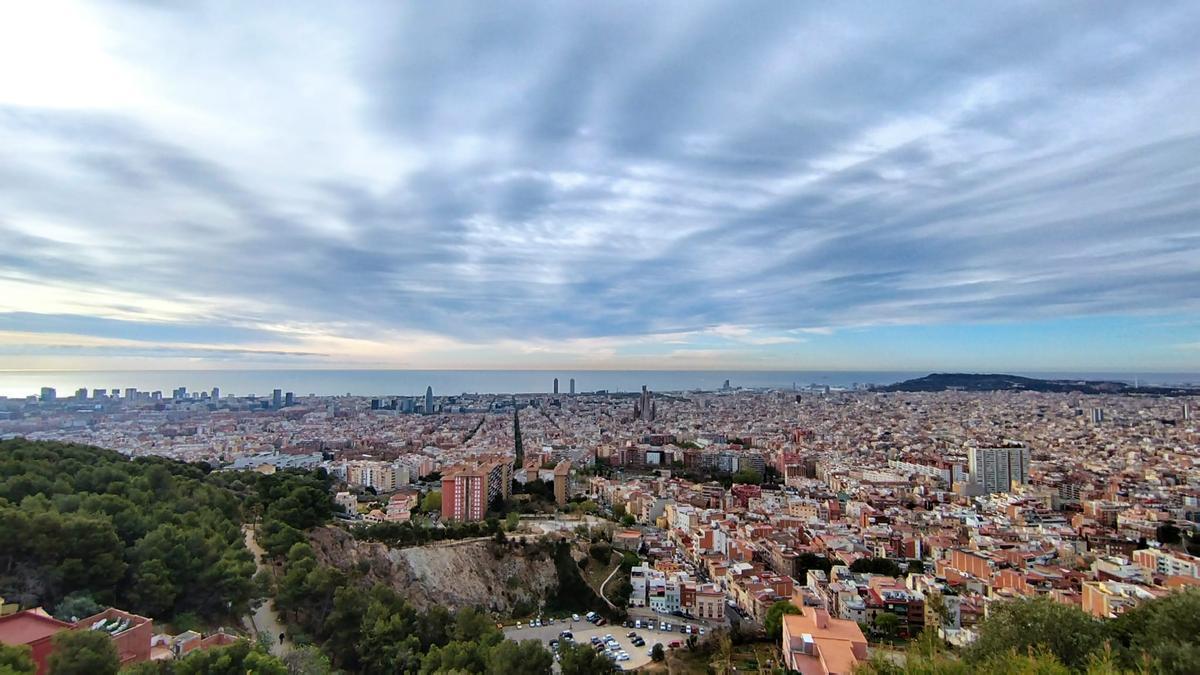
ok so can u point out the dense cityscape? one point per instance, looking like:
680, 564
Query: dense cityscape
690, 337
850, 505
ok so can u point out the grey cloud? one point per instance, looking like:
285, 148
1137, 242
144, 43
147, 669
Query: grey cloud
648, 169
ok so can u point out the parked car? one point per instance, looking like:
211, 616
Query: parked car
631, 634
575, 617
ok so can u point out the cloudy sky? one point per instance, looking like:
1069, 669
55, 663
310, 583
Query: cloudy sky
600, 184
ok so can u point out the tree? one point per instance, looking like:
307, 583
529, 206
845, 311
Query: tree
875, 566
512, 521
628, 520
16, 660
528, 657
432, 502
811, 561
774, 620
1167, 534
1035, 625
748, 477
657, 654
601, 552
887, 624
75, 607
915, 567
1166, 630
578, 659
240, 658
84, 652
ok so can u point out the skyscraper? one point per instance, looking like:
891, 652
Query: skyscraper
644, 409
429, 400
556, 386
289, 399
996, 469
277, 398
48, 395
572, 386
216, 393
1097, 415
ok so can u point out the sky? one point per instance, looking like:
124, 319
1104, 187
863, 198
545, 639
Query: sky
667, 185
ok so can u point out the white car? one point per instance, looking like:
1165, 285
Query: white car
575, 617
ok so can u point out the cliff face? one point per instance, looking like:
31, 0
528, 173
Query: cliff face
472, 573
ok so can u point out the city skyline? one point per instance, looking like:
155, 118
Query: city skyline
546, 186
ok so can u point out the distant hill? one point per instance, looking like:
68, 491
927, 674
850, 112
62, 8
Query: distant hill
1000, 382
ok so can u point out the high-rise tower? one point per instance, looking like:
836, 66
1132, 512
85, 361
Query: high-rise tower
429, 400
996, 469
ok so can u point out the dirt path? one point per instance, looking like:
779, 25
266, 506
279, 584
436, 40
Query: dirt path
264, 619
605, 583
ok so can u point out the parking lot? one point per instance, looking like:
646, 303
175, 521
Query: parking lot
584, 631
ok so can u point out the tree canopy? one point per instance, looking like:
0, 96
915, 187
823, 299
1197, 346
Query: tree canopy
83, 652
153, 535
16, 660
775, 614
875, 566
748, 476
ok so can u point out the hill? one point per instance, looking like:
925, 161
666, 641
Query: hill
1002, 382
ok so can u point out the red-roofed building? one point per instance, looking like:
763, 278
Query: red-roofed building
816, 644
35, 628
131, 634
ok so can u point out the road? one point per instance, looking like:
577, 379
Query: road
264, 618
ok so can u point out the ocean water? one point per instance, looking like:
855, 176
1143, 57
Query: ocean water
414, 382
20, 383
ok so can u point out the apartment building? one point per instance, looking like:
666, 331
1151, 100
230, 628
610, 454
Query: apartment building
996, 469
1167, 563
468, 488
1109, 599
816, 644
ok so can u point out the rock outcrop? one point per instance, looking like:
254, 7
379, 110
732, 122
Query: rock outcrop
454, 574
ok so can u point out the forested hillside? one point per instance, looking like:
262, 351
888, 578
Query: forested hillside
151, 535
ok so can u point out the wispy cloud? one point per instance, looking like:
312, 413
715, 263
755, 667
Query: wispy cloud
457, 183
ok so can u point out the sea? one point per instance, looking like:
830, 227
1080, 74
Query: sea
22, 383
